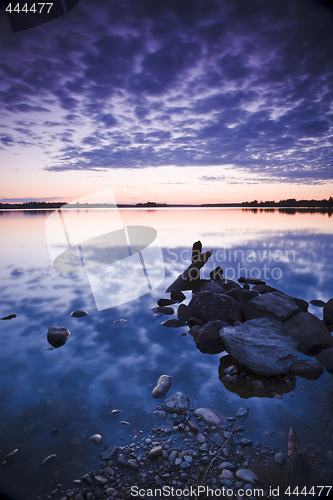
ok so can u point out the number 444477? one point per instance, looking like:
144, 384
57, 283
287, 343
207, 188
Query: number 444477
26, 9
315, 490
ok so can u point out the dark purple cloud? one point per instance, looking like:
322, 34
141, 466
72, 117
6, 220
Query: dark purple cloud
185, 83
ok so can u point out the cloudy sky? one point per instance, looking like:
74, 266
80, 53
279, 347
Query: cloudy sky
183, 101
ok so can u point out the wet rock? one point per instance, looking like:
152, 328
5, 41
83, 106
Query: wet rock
55, 430
123, 422
226, 474
247, 476
109, 453
242, 413
161, 415
10, 316
236, 293
178, 296
178, 403
121, 462
270, 306
263, 345
49, 459
263, 289
163, 310
163, 386
211, 287
279, 458
155, 452
227, 284
208, 416
10, 457
325, 358
79, 314
132, 464
317, 303
208, 338
184, 312
226, 465
246, 442
310, 333
307, 368
96, 438
193, 427
57, 336
192, 321
173, 323
120, 321
200, 438
166, 302
301, 304
257, 385
114, 412
328, 312
251, 281
209, 306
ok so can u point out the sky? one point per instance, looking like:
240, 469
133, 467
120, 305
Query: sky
173, 101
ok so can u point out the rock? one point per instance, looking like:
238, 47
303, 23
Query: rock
257, 385
209, 306
328, 312
226, 474
123, 422
10, 457
120, 320
246, 442
200, 438
96, 438
208, 416
263, 345
163, 386
178, 296
10, 316
270, 306
251, 281
132, 464
247, 476
57, 336
192, 321
121, 462
155, 452
242, 413
325, 358
211, 287
163, 310
208, 338
161, 415
226, 465
193, 427
236, 293
55, 430
279, 458
178, 461
263, 289
184, 312
173, 323
109, 453
307, 368
166, 302
301, 304
249, 294
114, 412
246, 286
49, 459
79, 314
227, 284
310, 333
216, 274
178, 403
317, 303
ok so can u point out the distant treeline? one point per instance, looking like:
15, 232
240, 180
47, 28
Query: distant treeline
32, 204
291, 202
52, 205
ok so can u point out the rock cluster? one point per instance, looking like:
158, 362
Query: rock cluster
262, 328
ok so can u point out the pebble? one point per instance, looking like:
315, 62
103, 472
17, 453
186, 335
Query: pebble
226, 474
173, 323
55, 430
226, 465
242, 413
208, 416
123, 422
166, 302
155, 452
49, 459
10, 316
120, 320
246, 475
57, 336
114, 412
79, 314
200, 438
163, 386
161, 415
279, 458
96, 438
10, 457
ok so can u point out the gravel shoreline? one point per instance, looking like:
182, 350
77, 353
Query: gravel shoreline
185, 454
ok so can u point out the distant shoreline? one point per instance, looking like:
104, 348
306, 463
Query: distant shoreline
282, 204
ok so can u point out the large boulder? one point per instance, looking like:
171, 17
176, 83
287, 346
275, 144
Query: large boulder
270, 305
178, 403
208, 338
263, 345
209, 306
311, 333
325, 358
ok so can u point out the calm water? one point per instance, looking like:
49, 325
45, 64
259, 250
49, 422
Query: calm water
106, 366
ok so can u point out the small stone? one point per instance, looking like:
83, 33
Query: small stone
121, 461
55, 430
242, 413
163, 386
123, 422
226, 465
163, 309
193, 427
279, 458
155, 452
166, 302
246, 442
200, 438
10, 316
177, 296
49, 459
178, 461
120, 320
161, 415
96, 438
57, 336
133, 464
208, 416
178, 403
173, 323
246, 475
79, 314
317, 303
114, 412
173, 455
10, 457
226, 474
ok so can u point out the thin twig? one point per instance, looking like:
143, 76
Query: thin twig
285, 409
218, 452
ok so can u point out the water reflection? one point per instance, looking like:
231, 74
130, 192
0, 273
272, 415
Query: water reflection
106, 365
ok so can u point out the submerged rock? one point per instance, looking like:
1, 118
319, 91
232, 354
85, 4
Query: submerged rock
270, 305
208, 416
178, 403
310, 333
49, 459
57, 336
163, 386
161, 415
173, 323
10, 457
263, 345
209, 306
208, 338
79, 314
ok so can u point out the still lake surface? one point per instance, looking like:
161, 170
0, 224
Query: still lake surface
106, 365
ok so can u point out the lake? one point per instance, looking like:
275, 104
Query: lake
106, 365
